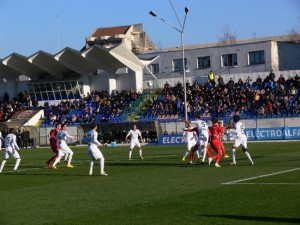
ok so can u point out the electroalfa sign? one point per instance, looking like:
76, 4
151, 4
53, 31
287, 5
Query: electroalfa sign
275, 133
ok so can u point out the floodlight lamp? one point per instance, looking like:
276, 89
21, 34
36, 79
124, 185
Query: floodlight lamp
186, 9
152, 13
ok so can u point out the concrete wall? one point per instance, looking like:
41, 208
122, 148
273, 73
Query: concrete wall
130, 80
289, 56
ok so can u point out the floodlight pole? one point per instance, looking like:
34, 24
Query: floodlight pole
181, 31
57, 23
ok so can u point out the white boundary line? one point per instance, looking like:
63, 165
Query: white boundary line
252, 178
269, 183
12, 171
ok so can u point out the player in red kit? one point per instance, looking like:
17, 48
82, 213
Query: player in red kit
223, 147
54, 143
216, 144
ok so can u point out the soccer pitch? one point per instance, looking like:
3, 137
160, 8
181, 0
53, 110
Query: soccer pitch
161, 189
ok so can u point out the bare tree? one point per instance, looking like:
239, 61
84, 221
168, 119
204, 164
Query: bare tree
294, 33
228, 37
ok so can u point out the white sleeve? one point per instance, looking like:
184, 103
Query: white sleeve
184, 135
14, 143
128, 134
94, 139
69, 136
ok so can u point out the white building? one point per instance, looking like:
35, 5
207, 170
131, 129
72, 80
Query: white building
242, 59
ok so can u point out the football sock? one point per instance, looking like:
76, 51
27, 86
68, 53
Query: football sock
204, 154
218, 157
70, 157
208, 151
233, 155
101, 165
248, 156
191, 156
141, 153
130, 153
200, 151
2, 165
186, 153
198, 155
17, 164
66, 157
56, 161
91, 167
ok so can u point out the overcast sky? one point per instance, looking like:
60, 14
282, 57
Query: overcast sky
28, 26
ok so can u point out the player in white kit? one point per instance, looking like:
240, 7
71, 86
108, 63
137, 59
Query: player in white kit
94, 151
241, 139
63, 148
191, 140
203, 135
11, 148
134, 141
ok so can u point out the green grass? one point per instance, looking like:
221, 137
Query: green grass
161, 189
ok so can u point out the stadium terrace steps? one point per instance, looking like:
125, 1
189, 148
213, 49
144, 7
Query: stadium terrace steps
39, 123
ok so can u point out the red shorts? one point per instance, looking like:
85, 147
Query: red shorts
54, 147
216, 145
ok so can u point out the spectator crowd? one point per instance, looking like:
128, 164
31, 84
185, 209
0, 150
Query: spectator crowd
268, 97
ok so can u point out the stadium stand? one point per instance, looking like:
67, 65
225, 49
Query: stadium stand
97, 107
263, 98
259, 99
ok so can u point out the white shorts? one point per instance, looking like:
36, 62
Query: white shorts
11, 152
203, 140
94, 152
135, 143
190, 144
63, 149
240, 141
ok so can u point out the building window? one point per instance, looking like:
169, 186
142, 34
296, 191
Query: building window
155, 68
177, 64
229, 60
257, 57
44, 91
203, 62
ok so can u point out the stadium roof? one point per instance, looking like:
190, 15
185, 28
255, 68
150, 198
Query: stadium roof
21, 64
47, 62
7, 72
70, 61
74, 60
111, 59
